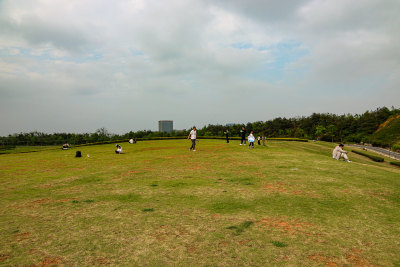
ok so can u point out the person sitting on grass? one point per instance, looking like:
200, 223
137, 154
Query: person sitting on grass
65, 146
119, 149
338, 153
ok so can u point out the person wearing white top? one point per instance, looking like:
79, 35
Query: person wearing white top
192, 135
338, 153
251, 139
119, 149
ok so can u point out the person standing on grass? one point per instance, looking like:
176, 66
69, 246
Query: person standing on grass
227, 135
251, 139
243, 134
338, 153
192, 136
258, 140
263, 139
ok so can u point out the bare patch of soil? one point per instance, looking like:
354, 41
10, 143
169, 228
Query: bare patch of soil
223, 244
22, 236
245, 242
164, 232
49, 261
4, 257
355, 257
275, 188
190, 249
321, 259
101, 261
38, 202
291, 227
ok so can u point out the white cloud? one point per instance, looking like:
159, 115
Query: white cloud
104, 63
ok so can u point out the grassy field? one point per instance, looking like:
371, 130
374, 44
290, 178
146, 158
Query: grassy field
287, 204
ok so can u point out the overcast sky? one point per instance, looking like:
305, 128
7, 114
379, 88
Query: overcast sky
76, 66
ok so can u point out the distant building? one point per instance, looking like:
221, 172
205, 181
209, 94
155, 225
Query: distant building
165, 126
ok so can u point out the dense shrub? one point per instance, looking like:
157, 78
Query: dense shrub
396, 147
373, 157
396, 163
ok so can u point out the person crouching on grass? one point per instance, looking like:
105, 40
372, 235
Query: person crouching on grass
338, 153
192, 136
251, 139
119, 149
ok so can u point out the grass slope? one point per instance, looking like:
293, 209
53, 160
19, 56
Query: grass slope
388, 134
285, 204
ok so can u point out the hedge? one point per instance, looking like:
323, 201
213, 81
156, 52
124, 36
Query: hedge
374, 158
396, 163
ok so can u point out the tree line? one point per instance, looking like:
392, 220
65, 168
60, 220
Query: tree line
322, 126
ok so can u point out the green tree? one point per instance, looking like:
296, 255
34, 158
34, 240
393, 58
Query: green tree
330, 131
320, 131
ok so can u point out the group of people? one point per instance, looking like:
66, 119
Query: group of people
337, 153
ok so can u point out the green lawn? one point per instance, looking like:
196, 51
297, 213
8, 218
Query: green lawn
287, 204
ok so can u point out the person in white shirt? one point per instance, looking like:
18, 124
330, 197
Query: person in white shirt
251, 139
119, 149
338, 153
192, 136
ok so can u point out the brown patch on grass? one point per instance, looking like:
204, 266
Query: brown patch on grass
379, 195
49, 261
4, 257
101, 261
321, 259
244, 242
223, 243
291, 227
354, 256
190, 249
46, 200
22, 236
38, 202
215, 216
275, 188
163, 232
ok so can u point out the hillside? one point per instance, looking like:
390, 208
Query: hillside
283, 204
388, 133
